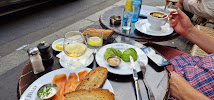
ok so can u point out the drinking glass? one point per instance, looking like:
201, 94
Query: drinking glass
74, 46
94, 40
167, 3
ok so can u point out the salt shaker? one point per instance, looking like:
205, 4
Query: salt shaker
36, 60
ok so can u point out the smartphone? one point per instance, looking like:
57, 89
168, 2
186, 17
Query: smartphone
155, 56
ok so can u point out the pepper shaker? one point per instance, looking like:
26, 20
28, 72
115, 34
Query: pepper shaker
36, 60
45, 53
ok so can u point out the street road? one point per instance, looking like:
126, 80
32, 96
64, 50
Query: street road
48, 17
19, 28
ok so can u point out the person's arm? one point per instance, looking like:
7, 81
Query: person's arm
182, 90
182, 25
201, 39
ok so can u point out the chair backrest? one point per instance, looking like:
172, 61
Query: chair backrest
199, 20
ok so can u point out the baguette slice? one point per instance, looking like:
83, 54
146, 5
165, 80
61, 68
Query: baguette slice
95, 79
94, 31
94, 94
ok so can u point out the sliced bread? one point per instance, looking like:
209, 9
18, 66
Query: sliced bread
94, 31
95, 79
94, 94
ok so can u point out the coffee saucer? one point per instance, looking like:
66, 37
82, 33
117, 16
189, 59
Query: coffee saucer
143, 26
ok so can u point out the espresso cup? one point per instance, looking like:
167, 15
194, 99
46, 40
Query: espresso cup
157, 19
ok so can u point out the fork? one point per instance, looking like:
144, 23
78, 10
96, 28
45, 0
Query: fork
149, 91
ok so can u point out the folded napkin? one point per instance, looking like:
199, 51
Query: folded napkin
73, 63
144, 13
168, 9
145, 10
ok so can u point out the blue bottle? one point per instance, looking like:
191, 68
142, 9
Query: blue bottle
136, 9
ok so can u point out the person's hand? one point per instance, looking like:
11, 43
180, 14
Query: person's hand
180, 22
177, 85
182, 90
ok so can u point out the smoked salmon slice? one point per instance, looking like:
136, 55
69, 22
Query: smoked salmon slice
82, 75
71, 83
60, 81
67, 85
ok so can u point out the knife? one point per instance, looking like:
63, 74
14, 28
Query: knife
149, 91
135, 77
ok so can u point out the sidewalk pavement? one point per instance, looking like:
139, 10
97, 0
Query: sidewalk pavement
12, 64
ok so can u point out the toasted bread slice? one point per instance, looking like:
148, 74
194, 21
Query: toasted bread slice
95, 79
94, 31
94, 94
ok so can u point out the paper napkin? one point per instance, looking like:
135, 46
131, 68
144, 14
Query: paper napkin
81, 60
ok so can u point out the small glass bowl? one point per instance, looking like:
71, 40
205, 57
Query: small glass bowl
113, 61
52, 86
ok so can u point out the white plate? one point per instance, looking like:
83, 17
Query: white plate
124, 67
30, 92
143, 26
89, 61
61, 40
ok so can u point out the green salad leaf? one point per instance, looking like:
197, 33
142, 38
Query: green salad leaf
112, 52
127, 53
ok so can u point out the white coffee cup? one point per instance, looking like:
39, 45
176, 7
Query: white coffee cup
157, 19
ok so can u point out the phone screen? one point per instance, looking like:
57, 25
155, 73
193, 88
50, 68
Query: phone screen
155, 56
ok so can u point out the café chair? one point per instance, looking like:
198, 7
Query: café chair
199, 20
